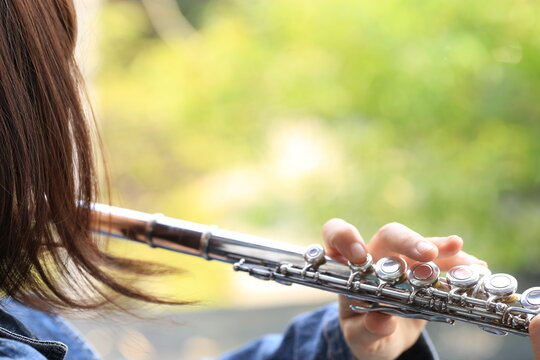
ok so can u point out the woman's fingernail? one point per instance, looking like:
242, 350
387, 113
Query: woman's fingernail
422, 246
358, 254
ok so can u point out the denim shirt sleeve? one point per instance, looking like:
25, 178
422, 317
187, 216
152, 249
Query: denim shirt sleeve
317, 336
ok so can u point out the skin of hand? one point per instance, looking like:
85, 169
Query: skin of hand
380, 336
534, 333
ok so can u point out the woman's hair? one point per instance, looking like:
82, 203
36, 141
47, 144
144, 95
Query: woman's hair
48, 257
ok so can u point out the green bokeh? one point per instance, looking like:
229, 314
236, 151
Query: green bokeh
278, 115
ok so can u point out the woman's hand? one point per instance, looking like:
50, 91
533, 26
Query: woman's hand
534, 332
376, 335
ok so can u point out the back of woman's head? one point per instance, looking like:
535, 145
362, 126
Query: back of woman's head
48, 258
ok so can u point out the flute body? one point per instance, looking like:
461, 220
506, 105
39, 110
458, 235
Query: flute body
467, 293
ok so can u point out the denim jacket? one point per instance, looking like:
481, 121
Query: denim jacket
27, 334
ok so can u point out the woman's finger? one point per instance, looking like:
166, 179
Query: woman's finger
372, 328
342, 240
378, 332
534, 332
461, 258
447, 245
397, 238
365, 328
345, 304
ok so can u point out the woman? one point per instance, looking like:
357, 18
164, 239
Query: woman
50, 263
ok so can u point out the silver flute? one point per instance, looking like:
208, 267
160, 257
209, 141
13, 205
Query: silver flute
467, 293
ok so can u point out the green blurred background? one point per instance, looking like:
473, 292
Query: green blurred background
270, 117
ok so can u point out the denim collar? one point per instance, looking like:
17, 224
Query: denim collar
12, 329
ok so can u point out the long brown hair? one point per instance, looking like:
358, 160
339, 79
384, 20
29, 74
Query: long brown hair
48, 258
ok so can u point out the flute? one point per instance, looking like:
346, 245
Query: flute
467, 293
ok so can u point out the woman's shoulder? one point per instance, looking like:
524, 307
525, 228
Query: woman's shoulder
31, 330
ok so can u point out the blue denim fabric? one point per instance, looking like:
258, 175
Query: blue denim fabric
317, 336
311, 336
18, 341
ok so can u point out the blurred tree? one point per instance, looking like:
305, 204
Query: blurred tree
279, 115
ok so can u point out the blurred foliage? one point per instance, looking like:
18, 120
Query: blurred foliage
277, 115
